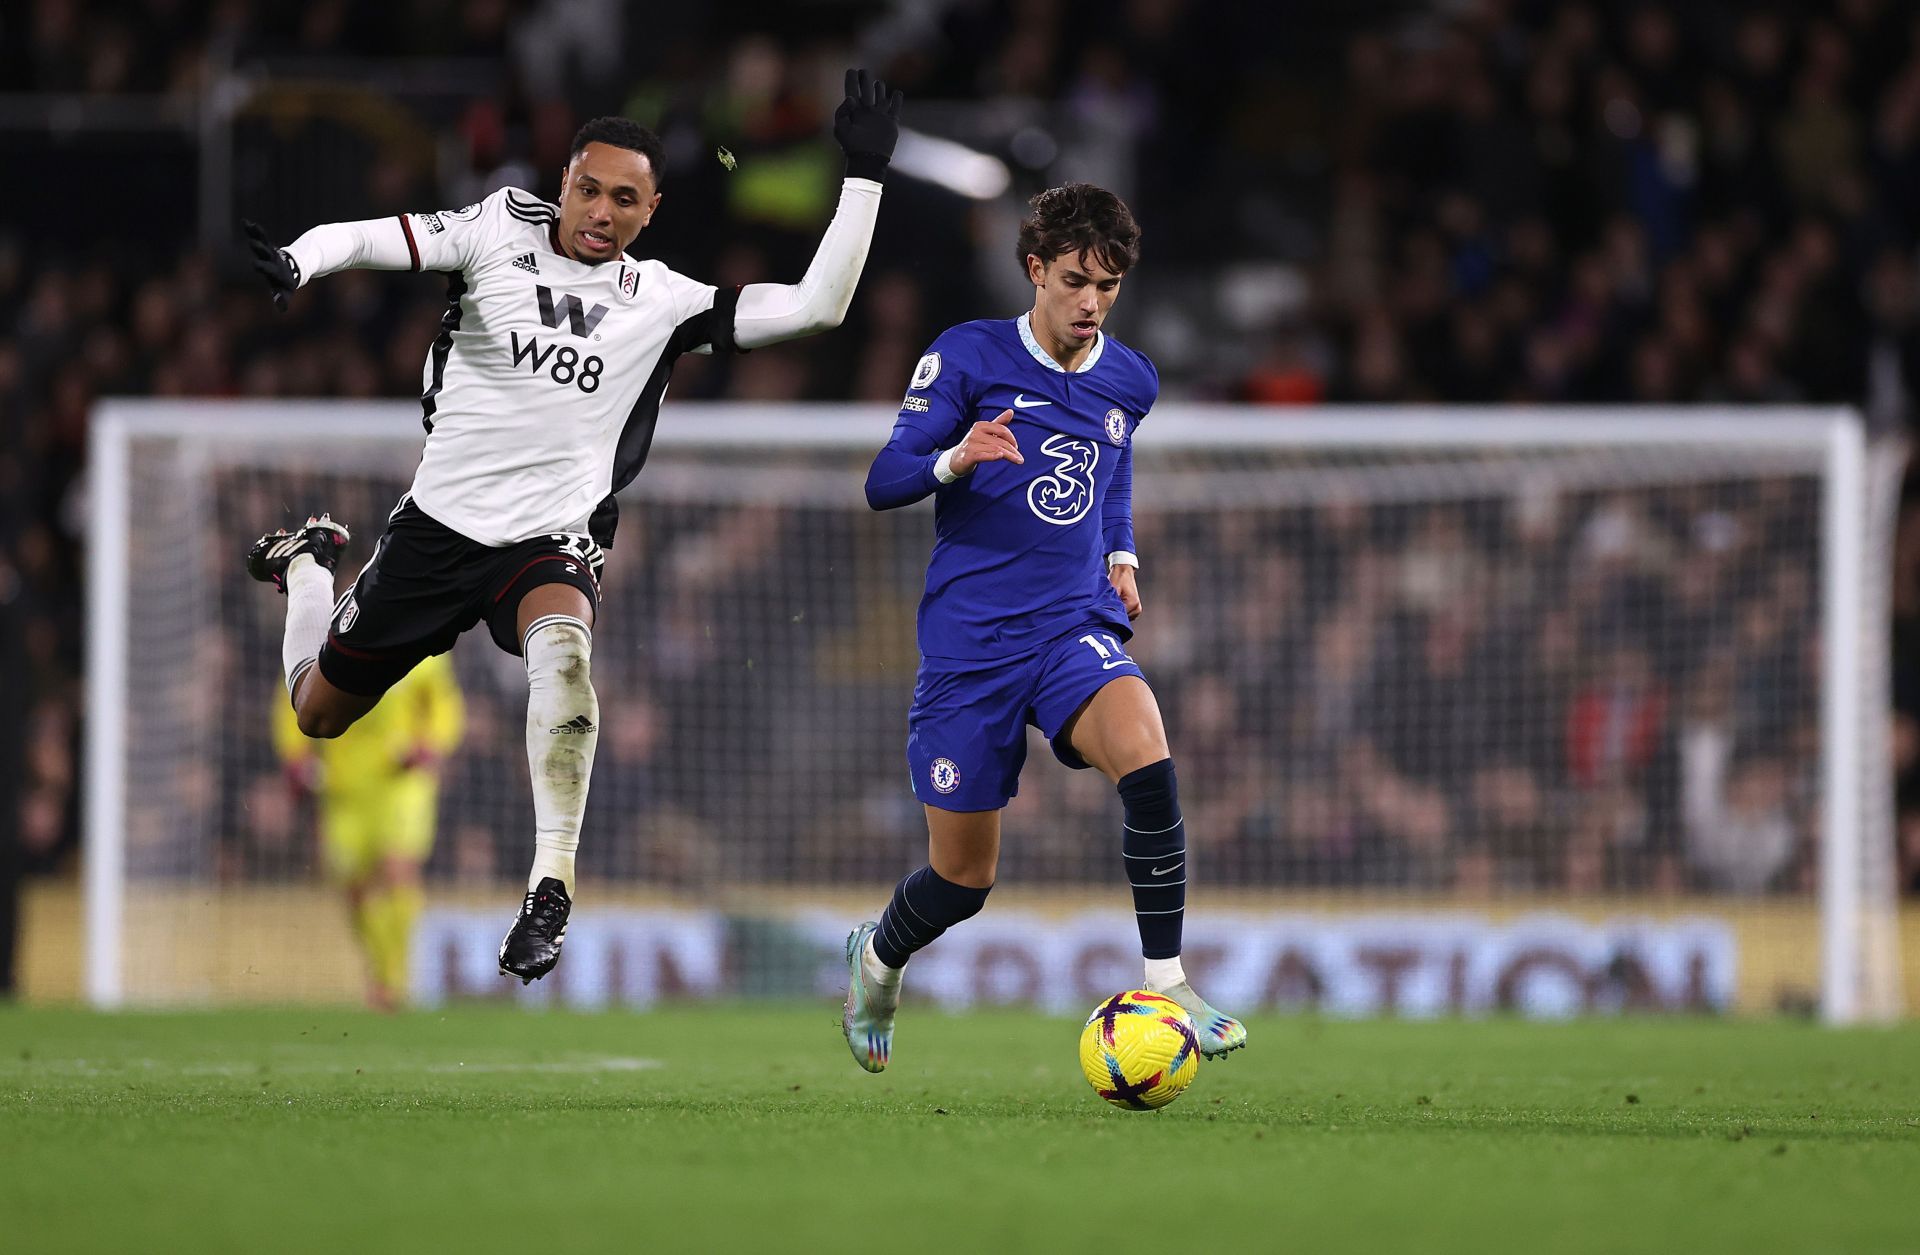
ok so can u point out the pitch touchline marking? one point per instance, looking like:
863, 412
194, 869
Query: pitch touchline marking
90, 1067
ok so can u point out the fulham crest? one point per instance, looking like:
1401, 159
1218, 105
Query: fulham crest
629, 282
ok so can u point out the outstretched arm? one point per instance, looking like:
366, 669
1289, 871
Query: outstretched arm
867, 125
448, 241
376, 244
771, 312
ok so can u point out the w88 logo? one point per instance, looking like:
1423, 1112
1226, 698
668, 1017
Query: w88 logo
562, 363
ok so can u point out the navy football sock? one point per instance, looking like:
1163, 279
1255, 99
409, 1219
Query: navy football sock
924, 905
1155, 850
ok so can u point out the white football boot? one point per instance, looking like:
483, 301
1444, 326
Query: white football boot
867, 1020
1216, 1033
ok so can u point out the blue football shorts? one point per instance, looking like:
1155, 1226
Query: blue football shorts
967, 731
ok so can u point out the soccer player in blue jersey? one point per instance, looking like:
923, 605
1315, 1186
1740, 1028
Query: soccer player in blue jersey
1022, 430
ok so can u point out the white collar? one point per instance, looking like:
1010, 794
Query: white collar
1045, 358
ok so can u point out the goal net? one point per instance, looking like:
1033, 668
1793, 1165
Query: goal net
1554, 711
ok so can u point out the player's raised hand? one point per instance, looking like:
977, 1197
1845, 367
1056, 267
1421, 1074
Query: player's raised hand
867, 125
987, 442
271, 263
1125, 582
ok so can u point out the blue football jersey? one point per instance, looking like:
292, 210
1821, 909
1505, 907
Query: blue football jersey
1019, 554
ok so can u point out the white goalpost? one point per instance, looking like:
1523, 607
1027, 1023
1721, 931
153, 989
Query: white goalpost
1550, 709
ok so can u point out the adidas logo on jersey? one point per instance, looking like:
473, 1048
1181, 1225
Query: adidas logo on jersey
579, 725
526, 262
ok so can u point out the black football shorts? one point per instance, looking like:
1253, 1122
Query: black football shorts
427, 584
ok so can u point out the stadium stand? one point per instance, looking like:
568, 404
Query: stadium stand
1477, 202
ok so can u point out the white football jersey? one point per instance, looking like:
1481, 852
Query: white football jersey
543, 387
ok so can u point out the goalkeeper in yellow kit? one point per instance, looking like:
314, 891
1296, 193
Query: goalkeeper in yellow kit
378, 790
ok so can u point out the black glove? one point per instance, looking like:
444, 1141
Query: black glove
272, 262
867, 125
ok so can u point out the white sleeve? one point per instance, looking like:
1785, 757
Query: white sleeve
446, 240
771, 312
377, 244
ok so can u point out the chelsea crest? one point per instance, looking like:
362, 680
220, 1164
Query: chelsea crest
945, 775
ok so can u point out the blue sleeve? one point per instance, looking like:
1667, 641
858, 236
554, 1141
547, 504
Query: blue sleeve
903, 471
1116, 512
933, 417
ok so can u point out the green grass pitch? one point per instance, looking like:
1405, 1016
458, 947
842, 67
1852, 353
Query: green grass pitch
748, 1128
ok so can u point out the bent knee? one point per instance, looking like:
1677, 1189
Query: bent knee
321, 725
563, 646
560, 671
969, 872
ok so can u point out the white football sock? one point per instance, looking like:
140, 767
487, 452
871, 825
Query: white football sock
1164, 974
309, 612
876, 972
563, 727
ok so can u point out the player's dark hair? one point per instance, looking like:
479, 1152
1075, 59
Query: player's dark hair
1078, 219
622, 133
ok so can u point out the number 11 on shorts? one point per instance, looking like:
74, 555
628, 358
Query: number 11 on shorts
1109, 658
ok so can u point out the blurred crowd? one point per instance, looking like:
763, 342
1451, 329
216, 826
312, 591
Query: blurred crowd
1568, 688
1634, 202
1474, 201
1554, 689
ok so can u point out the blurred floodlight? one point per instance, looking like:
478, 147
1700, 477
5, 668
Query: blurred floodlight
953, 166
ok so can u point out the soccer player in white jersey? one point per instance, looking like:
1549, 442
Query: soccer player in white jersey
539, 397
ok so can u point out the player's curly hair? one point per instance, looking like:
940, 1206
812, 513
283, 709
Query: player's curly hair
1080, 218
622, 133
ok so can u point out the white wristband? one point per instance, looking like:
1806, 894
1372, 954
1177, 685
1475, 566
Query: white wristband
943, 466
1121, 557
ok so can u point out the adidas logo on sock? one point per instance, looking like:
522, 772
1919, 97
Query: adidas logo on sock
579, 725
526, 262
